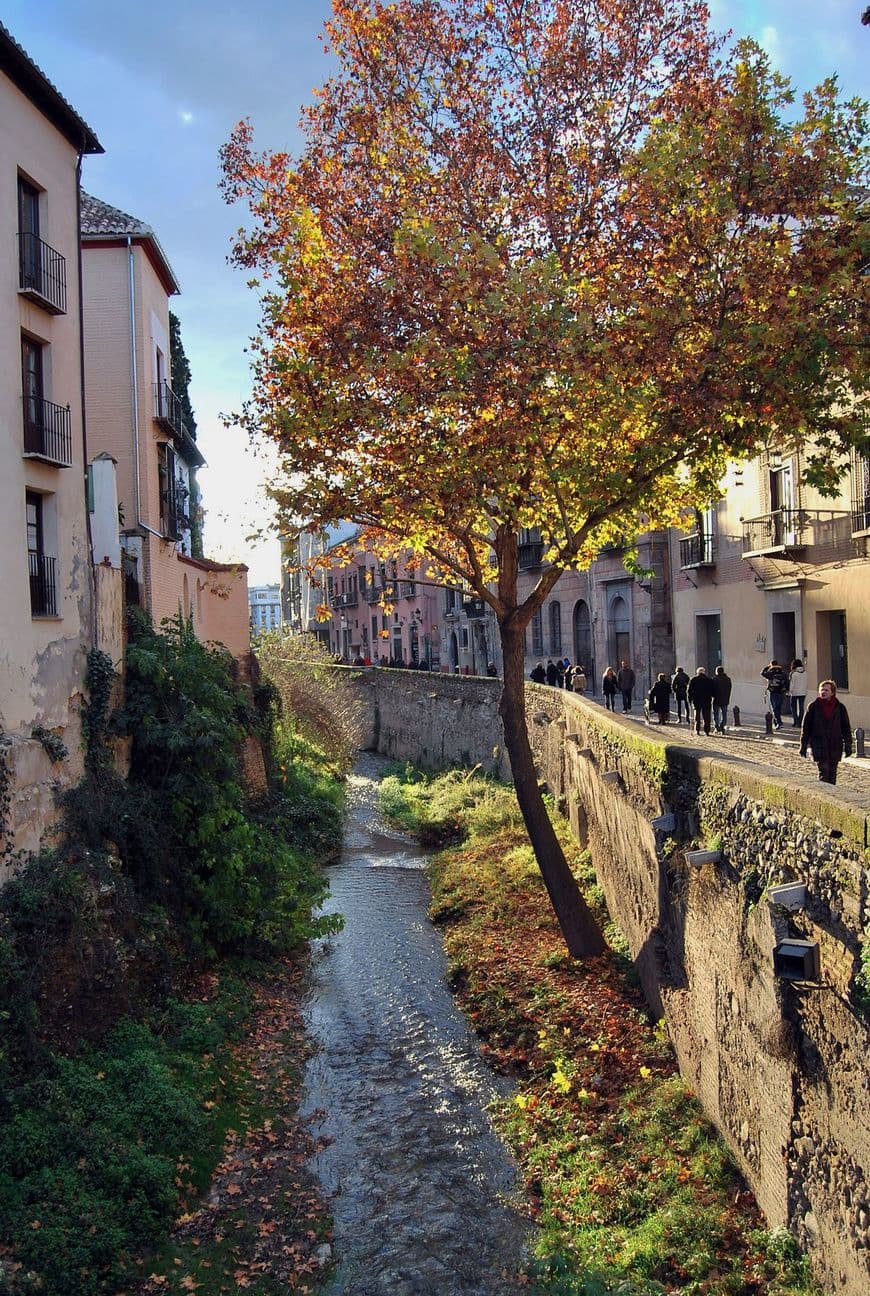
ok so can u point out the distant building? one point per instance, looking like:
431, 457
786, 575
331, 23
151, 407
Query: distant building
265, 604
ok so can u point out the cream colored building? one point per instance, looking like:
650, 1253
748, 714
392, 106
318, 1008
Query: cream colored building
135, 417
775, 570
45, 570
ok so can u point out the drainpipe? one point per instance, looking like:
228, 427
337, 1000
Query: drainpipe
92, 578
134, 379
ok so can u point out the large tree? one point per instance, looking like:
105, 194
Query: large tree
546, 263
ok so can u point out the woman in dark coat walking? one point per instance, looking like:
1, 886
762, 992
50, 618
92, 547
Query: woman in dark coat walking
660, 698
826, 731
608, 688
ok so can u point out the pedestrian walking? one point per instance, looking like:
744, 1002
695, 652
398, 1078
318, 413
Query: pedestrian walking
680, 686
578, 679
568, 671
538, 674
721, 698
797, 690
608, 688
625, 684
777, 687
660, 698
826, 731
552, 673
700, 695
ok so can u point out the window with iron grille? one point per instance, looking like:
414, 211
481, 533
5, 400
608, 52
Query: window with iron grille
538, 634
169, 519
555, 629
860, 492
43, 587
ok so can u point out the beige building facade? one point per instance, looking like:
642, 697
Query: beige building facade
136, 418
46, 579
775, 570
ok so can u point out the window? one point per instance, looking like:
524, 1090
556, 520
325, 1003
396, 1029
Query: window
168, 486
538, 634
860, 492
43, 589
28, 235
555, 629
41, 270
47, 427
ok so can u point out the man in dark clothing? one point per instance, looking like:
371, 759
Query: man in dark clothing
700, 694
660, 698
552, 673
538, 674
680, 685
721, 698
826, 731
625, 684
777, 687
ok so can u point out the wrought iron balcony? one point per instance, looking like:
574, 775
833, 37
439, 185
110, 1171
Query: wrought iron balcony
861, 513
530, 555
372, 592
474, 608
41, 273
407, 589
346, 600
790, 531
43, 588
47, 431
697, 551
167, 409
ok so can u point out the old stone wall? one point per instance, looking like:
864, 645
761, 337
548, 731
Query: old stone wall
689, 851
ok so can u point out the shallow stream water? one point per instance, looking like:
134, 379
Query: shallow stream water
422, 1190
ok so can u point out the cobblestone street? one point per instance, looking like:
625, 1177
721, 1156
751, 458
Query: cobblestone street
778, 752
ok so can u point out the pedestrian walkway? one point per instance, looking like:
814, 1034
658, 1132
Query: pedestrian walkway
779, 751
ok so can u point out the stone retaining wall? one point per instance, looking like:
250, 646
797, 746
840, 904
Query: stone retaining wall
780, 1066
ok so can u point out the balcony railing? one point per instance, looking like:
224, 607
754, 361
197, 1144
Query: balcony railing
43, 589
474, 608
697, 551
372, 592
346, 600
530, 555
789, 530
41, 273
861, 514
407, 589
167, 409
47, 431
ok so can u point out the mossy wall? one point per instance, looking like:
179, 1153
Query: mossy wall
780, 1067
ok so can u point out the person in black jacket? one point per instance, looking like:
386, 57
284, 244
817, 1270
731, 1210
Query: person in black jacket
538, 674
660, 698
700, 694
721, 698
680, 685
777, 687
826, 731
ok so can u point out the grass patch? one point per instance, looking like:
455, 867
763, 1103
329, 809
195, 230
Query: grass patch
631, 1188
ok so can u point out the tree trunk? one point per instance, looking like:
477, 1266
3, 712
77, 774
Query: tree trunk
582, 936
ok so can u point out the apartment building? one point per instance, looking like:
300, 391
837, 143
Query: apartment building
604, 615
775, 570
45, 570
264, 602
136, 418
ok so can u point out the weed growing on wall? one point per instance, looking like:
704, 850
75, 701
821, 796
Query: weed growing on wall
114, 1097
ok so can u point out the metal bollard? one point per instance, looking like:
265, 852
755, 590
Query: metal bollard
768, 722
859, 743
736, 711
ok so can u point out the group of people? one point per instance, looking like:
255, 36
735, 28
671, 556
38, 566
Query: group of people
825, 728
560, 674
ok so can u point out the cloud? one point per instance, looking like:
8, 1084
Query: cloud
770, 43
185, 116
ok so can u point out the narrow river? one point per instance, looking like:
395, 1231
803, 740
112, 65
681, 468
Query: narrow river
424, 1195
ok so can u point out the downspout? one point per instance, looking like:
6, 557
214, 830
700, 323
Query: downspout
134, 379
92, 577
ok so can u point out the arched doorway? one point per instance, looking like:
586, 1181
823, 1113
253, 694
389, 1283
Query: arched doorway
583, 653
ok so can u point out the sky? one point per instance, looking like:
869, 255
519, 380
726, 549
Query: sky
164, 84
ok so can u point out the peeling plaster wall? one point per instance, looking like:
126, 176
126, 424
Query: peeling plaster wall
781, 1068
